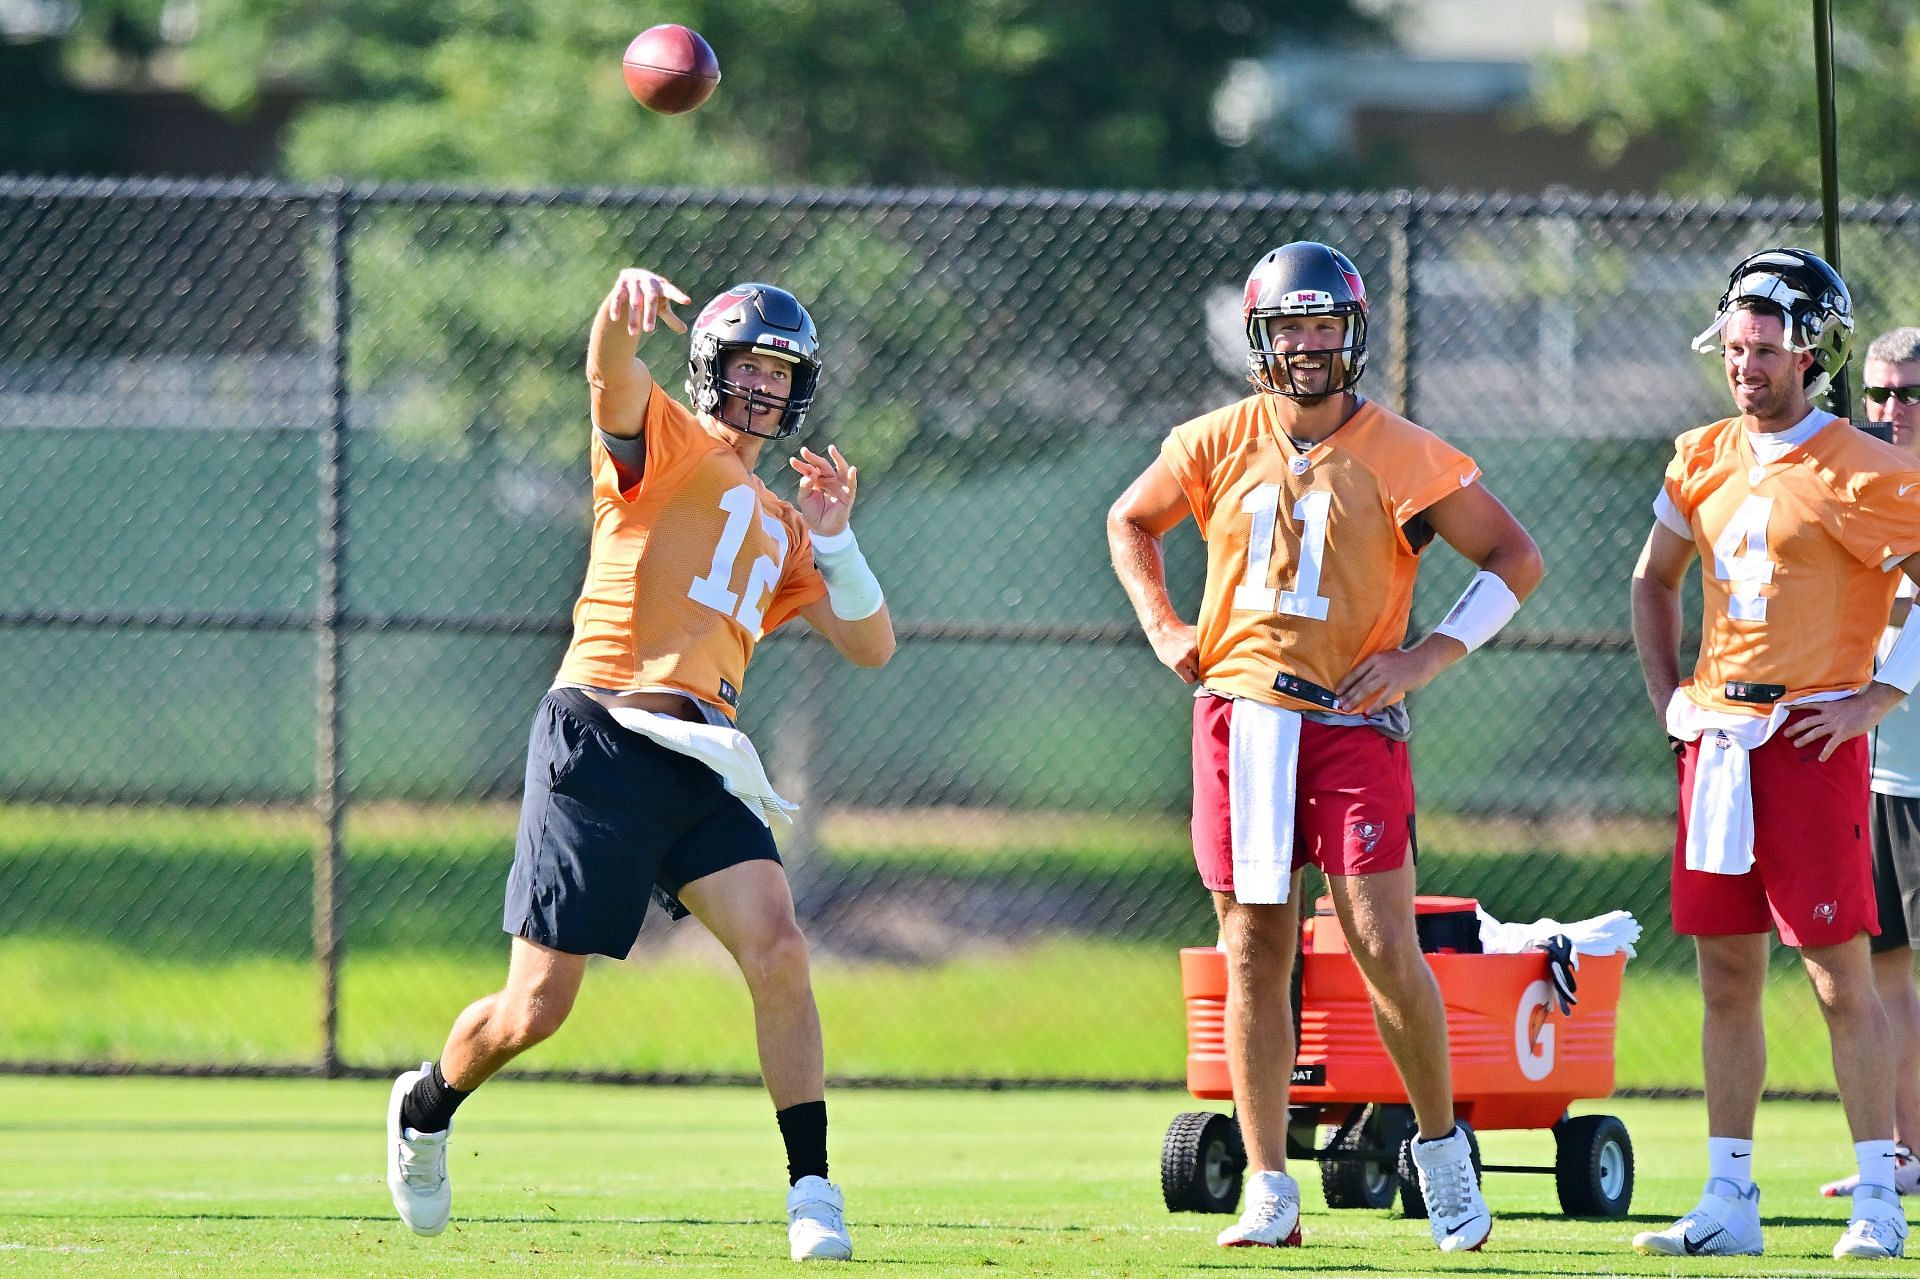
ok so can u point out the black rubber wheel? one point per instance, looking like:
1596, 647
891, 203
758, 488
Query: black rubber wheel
1201, 1163
1593, 1166
1351, 1183
1412, 1201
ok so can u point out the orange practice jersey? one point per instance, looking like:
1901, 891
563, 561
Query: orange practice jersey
1792, 556
692, 563
1309, 570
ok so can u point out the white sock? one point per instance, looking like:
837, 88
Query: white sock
1732, 1158
1877, 1161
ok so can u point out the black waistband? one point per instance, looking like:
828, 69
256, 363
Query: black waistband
1305, 690
1740, 690
576, 702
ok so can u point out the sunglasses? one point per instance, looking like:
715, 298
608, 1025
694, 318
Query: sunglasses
1905, 394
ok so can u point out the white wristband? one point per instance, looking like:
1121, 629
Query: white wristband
1483, 608
1901, 668
852, 590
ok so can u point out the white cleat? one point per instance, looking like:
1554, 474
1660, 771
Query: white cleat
1456, 1213
1879, 1227
417, 1165
1906, 1176
1725, 1223
1272, 1218
817, 1221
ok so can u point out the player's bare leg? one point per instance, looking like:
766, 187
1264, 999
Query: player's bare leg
749, 908
542, 984
1843, 983
540, 989
1733, 1035
1376, 913
1260, 944
1893, 978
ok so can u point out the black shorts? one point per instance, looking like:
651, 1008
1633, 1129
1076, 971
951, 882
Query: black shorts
610, 820
1896, 871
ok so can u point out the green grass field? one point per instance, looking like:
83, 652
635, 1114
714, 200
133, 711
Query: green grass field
136, 1177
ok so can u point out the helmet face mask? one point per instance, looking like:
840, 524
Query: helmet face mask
1304, 278
1815, 300
766, 321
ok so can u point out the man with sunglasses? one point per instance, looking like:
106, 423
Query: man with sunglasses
1893, 402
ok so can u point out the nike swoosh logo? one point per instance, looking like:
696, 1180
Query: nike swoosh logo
1693, 1246
1904, 488
1468, 479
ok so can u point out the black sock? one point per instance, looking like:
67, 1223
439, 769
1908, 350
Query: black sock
430, 1106
804, 1129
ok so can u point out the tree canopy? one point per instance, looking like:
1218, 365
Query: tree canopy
1730, 85
1062, 93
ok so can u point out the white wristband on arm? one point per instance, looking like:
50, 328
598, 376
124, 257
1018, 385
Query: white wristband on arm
1901, 668
853, 591
1483, 608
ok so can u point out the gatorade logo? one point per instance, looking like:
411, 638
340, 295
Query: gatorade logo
1533, 1033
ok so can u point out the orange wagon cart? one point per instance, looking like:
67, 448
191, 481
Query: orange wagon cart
1518, 1062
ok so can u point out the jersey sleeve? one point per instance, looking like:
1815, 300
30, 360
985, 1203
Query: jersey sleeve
1681, 484
1881, 525
800, 580
669, 435
1426, 469
1191, 451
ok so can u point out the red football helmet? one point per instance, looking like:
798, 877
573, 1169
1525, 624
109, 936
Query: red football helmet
1304, 278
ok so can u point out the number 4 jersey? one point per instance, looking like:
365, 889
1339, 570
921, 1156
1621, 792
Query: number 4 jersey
693, 561
1797, 555
1311, 554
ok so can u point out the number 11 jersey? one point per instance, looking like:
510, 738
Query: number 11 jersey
1311, 553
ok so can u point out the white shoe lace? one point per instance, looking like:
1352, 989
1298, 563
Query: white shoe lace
423, 1160
1449, 1190
1263, 1212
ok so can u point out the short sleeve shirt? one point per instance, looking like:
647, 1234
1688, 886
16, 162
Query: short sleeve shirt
1794, 556
692, 562
1311, 555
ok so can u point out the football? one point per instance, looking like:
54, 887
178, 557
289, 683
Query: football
671, 69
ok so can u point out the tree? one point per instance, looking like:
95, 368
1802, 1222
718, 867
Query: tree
1065, 93
1730, 85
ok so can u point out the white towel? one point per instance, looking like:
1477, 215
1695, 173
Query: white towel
727, 751
1263, 752
1611, 933
1720, 814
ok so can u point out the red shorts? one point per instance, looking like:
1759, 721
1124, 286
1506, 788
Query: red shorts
1353, 811
1812, 874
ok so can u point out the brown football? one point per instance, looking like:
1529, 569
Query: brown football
671, 69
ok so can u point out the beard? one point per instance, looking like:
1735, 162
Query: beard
1770, 401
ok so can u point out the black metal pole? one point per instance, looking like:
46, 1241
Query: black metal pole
1840, 396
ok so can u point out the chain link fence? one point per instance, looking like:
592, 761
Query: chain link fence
292, 484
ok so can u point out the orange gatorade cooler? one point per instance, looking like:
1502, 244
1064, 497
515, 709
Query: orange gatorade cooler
1518, 1062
